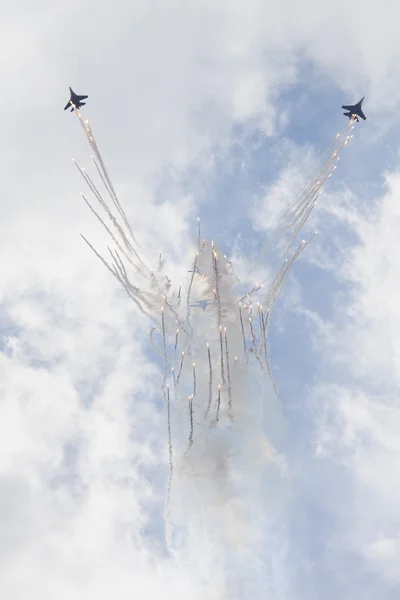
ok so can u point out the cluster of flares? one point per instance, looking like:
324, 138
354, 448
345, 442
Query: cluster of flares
207, 334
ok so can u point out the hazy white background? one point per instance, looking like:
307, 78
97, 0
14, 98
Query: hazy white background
199, 108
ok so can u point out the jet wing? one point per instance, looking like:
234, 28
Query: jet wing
82, 97
348, 107
67, 105
361, 114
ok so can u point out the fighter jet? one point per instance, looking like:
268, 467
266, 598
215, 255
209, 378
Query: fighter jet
354, 110
76, 100
202, 304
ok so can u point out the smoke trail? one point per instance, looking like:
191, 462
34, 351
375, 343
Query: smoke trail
168, 527
229, 377
210, 381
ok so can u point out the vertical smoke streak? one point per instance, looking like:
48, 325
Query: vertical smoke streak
218, 404
253, 337
180, 368
191, 423
210, 379
176, 342
269, 367
190, 286
229, 377
215, 269
194, 381
173, 376
264, 322
242, 328
168, 526
254, 340
164, 350
259, 310
221, 347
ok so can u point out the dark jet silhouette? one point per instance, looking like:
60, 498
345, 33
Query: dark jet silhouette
75, 100
202, 304
354, 110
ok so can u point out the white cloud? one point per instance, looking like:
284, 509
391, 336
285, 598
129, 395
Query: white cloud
359, 420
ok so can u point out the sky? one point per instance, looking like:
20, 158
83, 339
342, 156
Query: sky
215, 110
